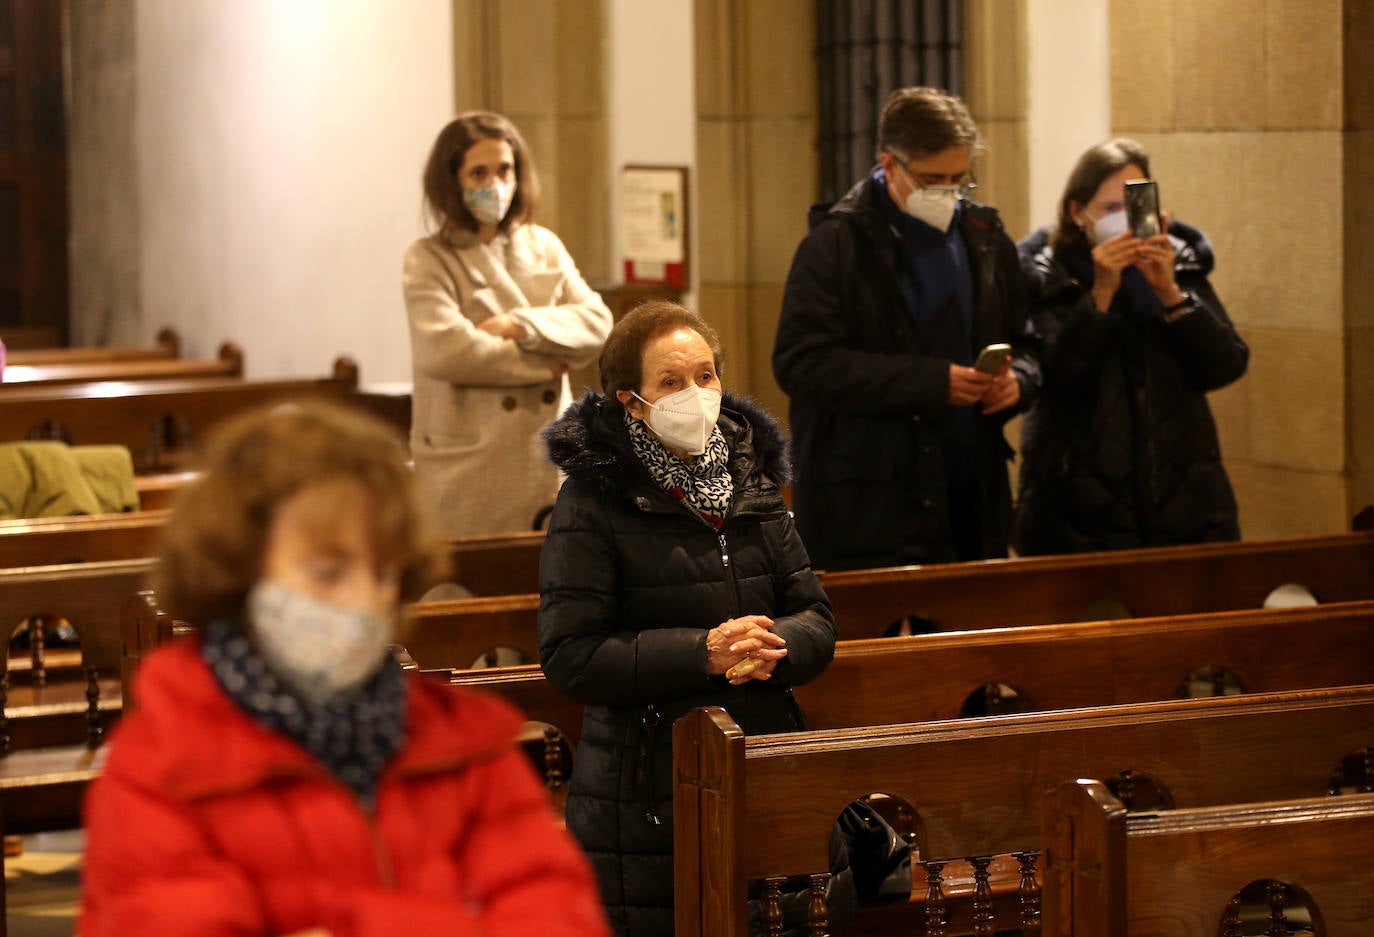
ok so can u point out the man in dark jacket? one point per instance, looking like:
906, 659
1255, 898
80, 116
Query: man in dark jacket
897, 440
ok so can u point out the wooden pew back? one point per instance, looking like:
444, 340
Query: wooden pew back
50, 541
1148, 583
1179, 873
763, 807
228, 364
167, 345
157, 420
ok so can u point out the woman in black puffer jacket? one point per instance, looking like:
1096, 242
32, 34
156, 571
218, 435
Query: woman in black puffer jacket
1120, 449
672, 577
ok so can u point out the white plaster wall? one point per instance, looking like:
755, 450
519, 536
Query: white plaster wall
1069, 103
651, 97
280, 148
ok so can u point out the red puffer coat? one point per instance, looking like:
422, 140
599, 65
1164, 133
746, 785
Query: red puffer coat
206, 823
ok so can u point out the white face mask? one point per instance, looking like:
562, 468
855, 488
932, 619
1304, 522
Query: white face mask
935, 205
1109, 226
684, 420
318, 649
489, 204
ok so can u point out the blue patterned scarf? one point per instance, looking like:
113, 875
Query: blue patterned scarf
353, 734
704, 484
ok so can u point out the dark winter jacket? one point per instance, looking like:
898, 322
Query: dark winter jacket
1120, 449
631, 581
870, 406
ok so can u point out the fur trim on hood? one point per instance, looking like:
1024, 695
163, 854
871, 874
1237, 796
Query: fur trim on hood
589, 442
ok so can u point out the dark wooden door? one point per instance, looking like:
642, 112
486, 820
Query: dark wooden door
33, 168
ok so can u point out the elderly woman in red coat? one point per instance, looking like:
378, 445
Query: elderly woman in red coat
280, 775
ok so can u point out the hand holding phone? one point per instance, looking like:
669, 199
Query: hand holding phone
992, 358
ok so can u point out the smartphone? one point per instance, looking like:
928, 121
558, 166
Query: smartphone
991, 358
1142, 208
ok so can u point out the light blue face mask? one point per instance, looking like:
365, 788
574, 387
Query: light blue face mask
489, 204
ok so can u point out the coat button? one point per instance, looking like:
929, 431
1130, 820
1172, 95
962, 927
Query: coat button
508, 403
550, 396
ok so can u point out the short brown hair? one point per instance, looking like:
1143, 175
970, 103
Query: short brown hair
622, 357
212, 546
444, 190
1088, 173
920, 122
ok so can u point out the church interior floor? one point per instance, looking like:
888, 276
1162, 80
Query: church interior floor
43, 886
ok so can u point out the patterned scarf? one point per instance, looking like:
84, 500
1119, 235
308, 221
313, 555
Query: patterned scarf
353, 734
704, 484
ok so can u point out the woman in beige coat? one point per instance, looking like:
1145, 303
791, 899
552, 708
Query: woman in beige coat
498, 316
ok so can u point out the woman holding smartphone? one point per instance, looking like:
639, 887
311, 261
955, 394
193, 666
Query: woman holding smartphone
498, 316
1120, 449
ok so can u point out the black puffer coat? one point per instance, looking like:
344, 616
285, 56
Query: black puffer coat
1120, 449
631, 580
870, 405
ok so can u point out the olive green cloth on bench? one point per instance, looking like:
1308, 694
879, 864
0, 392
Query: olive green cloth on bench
52, 479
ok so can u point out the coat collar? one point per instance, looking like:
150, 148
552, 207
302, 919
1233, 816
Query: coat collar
590, 443
189, 740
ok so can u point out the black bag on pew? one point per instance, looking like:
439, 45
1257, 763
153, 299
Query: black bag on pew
869, 863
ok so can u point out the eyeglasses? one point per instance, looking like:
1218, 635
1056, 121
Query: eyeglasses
934, 186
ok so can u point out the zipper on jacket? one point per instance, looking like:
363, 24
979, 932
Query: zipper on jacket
650, 721
386, 869
729, 574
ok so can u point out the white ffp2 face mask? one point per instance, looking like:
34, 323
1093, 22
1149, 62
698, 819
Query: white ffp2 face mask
933, 205
1109, 226
684, 420
318, 649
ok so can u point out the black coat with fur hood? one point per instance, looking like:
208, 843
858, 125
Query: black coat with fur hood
631, 580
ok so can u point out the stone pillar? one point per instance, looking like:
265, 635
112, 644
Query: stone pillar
1242, 109
757, 173
1359, 248
996, 77
540, 63
106, 259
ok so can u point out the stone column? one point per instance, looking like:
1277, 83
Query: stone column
996, 76
1242, 107
106, 259
540, 63
757, 173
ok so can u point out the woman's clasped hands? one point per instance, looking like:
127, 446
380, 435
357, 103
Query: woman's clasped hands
744, 649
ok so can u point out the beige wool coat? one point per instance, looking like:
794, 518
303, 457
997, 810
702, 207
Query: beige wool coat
480, 401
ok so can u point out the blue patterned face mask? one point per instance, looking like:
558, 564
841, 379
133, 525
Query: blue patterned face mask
684, 420
318, 649
489, 204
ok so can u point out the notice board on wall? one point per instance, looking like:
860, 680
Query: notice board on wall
654, 241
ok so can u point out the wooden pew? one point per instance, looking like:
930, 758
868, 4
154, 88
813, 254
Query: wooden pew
158, 492
485, 566
1078, 587
167, 345
157, 420
48, 541
1053, 667
228, 364
29, 336
980, 595
763, 807
1179, 873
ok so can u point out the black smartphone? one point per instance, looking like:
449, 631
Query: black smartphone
1142, 208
